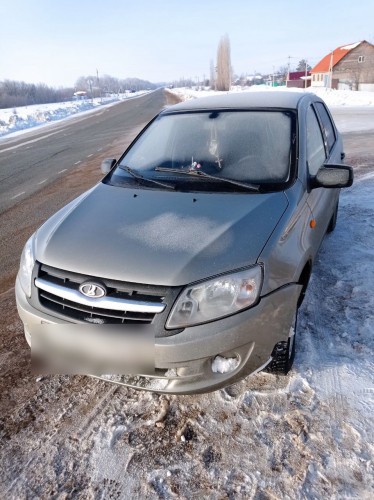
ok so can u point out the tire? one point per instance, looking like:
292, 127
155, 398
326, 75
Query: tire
284, 353
333, 220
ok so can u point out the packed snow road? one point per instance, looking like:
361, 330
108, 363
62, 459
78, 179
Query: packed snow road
307, 435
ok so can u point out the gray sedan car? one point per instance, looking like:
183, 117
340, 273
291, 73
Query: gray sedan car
182, 271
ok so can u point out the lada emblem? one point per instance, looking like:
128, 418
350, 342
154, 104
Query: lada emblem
92, 290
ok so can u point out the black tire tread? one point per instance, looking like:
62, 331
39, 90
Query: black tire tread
280, 362
283, 355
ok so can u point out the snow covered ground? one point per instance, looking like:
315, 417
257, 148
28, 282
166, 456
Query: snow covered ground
25, 117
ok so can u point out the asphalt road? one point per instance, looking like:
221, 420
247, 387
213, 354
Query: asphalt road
353, 118
33, 160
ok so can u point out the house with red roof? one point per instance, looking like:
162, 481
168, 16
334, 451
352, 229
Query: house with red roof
346, 67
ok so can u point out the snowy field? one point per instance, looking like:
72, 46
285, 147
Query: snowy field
305, 436
25, 117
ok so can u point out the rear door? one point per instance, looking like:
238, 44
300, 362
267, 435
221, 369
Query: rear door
333, 143
322, 147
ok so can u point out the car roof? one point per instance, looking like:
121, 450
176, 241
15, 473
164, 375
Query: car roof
243, 100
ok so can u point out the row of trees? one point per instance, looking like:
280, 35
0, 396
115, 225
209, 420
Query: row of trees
14, 93
97, 86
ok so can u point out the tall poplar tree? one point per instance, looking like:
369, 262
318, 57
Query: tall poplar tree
223, 81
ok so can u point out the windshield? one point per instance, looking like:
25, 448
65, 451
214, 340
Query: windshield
248, 146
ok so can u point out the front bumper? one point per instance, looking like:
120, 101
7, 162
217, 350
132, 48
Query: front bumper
183, 361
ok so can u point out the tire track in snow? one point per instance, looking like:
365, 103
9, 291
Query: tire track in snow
59, 432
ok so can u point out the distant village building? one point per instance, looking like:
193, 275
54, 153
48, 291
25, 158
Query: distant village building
347, 67
249, 80
298, 79
256, 79
80, 95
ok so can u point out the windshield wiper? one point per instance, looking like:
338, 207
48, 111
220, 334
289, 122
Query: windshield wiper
201, 173
140, 177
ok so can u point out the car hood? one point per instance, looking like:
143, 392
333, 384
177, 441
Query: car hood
158, 237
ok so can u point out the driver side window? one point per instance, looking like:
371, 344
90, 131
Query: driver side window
316, 154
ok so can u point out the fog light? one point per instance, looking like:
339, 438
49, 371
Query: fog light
221, 364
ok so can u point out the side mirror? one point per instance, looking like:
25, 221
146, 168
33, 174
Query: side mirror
333, 176
107, 165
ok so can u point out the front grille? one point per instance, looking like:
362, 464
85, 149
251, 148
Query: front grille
76, 312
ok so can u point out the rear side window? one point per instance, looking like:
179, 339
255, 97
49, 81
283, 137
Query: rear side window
316, 154
327, 125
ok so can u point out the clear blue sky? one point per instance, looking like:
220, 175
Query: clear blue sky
56, 41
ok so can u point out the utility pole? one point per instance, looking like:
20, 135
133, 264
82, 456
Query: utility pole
330, 68
90, 84
306, 73
98, 85
288, 67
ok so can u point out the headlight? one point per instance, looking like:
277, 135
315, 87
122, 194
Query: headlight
26, 266
216, 298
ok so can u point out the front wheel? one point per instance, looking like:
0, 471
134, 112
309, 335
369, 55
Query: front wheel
284, 352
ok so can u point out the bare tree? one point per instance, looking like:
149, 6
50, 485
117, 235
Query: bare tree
111, 84
223, 81
358, 76
81, 83
15, 93
281, 74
